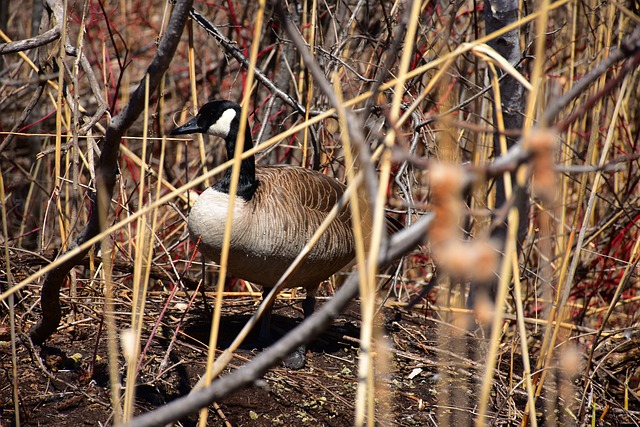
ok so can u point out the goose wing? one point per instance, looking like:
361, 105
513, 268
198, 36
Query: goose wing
305, 188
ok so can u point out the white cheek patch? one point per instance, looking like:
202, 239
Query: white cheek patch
222, 127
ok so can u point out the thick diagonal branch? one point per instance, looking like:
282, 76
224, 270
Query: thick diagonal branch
106, 172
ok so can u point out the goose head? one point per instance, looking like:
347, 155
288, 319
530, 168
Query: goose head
221, 118
218, 118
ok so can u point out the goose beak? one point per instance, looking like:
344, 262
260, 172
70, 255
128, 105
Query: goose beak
190, 127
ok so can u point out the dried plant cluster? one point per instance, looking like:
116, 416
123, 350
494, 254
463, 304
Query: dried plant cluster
516, 299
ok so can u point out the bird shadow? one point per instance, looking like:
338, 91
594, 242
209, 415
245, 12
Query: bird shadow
341, 335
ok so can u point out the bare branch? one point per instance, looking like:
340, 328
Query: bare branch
629, 47
55, 7
95, 88
106, 173
231, 49
355, 127
24, 116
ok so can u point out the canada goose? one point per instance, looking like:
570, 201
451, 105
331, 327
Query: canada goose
277, 210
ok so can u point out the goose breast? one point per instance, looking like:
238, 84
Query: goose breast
270, 229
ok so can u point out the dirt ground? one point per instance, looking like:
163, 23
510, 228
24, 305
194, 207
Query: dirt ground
74, 390
428, 377
322, 393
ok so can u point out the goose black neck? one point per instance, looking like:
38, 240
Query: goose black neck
247, 182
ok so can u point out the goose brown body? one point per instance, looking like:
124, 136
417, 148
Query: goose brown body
270, 230
276, 212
